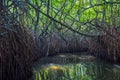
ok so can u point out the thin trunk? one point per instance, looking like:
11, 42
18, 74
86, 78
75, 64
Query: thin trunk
1, 5
48, 7
1, 8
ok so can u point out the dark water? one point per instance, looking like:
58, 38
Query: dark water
75, 67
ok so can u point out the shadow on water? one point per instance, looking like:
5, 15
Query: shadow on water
75, 67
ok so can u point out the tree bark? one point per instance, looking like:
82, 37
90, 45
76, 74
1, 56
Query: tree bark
1, 5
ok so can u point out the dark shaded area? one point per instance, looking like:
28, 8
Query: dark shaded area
15, 55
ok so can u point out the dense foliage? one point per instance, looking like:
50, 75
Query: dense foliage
80, 16
29, 28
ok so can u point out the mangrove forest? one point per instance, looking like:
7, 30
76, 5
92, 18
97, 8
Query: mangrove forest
59, 39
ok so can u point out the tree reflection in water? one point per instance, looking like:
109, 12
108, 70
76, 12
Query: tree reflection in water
78, 70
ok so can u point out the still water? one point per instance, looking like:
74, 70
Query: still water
74, 67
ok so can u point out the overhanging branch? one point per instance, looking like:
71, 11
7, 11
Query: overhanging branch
59, 22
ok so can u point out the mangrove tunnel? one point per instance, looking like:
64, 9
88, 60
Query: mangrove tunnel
59, 39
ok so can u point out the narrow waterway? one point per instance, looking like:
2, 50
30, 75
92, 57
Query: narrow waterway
74, 67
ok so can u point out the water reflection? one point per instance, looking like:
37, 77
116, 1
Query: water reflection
74, 67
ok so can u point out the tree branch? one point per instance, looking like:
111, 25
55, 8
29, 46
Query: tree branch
66, 26
99, 5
